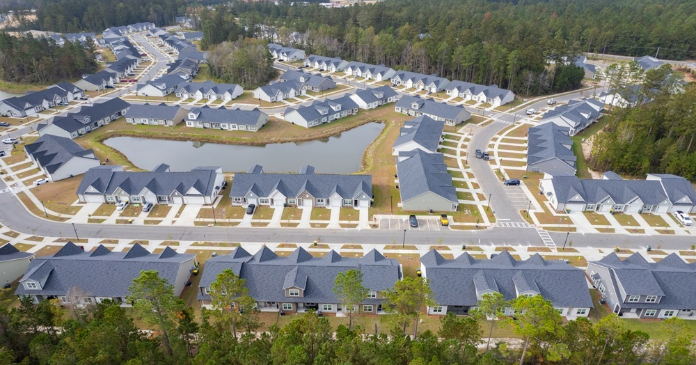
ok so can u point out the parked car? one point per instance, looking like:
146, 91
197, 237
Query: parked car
683, 218
479, 154
512, 182
413, 220
147, 207
2, 153
109, 87
84, 98
551, 101
4, 124
486, 156
63, 103
444, 220
40, 182
531, 111
143, 54
251, 208
121, 206
10, 141
133, 80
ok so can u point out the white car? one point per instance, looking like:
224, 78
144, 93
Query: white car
121, 206
551, 101
40, 182
531, 111
683, 218
10, 141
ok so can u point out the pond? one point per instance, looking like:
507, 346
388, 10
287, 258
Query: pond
338, 154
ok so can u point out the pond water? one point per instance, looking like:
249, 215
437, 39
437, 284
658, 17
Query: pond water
338, 154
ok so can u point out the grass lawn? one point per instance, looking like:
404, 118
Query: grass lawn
596, 219
204, 75
509, 105
291, 213
578, 261
349, 214
159, 211
248, 98
28, 173
464, 196
466, 213
59, 195
625, 220
319, 214
105, 210
654, 220
606, 230
224, 210
577, 139
263, 212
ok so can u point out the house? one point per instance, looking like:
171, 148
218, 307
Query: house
98, 81
35, 102
60, 158
418, 81
161, 114
423, 133
325, 63
590, 70
226, 119
368, 71
459, 284
577, 115
320, 112
301, 282
316, 83
424, 183
86, 119
636, 288
416, 106
13, 263
286, 53
111, 184
186, 68
92, 277
162, 86
679, 191
492, 95
190, 36
208, 90
81, 37
613, 194
59, 41
372, 98
624, 97
550, 150
279, 91
123, 67
305, 189
648, 62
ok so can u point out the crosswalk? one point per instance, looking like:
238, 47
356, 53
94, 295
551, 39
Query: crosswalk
513, 225
546, 238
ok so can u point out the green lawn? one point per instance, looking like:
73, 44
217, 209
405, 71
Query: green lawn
577, 139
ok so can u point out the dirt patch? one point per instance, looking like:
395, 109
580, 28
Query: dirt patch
59, 196
587, 152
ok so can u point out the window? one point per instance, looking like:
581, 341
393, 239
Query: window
347, 202
602, 288
320, 200
87, 300
650, 312
327, 307
437, 310
292, 201
372, 294
618, 207
651, 299
287, 306
590, 207
633, 298
668, 313
263, 200
294, 292
64, 300
237, 200
581, 311
31, 285
368, 308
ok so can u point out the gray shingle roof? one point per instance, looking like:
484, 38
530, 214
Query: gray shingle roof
165, 82
267, 278
595, 191
222, 114
312, 112
376, 94
648, 62
162, 111
52, 152
422, 172
205, 87
97, 273
106, 179
577, 113
415, 77
423, 130
99, 77
678, 189
581, 61
9, 253
548, 141
292, 185
431, 107
283, 87
98, 111
455, 282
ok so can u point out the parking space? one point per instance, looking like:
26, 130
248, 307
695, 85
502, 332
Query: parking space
517, 197
399, 223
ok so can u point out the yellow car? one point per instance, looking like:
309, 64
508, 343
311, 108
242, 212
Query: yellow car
443, 220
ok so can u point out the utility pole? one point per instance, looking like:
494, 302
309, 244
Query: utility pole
403, 243
566, 239
490, 196
658, 51
44, 209
75, 229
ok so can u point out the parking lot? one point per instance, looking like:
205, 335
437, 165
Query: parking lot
424, 224
517, 197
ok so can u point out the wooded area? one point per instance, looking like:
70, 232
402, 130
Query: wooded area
39, 60
106, 333
245, 62
656, 136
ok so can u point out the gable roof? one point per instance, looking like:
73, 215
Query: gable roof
431, 107
677, 188
550, 141
222, 114
379, 93
457, 282
10, 253
313, 111
620, 191
152, 111
267, 279
51, 152
110, 274
648, 62
421, 172
577, 114
423, 130
90, 114
292, 185
165, 82
205, 87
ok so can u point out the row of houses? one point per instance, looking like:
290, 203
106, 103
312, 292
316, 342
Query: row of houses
60, 158
34, 102
576, 115
123, 31
286, 53
178, 73
182, 46
82, 38
292, 84
417, 106
632, 287
128, 59
321, 112
658, 193
86, 119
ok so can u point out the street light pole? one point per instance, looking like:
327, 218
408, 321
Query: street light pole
214, 219
490, 196
75, 229
44, 209
403, 243
566, 240
528, 208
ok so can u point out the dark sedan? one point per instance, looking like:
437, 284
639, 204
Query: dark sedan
512, 182
413, 220
251, 208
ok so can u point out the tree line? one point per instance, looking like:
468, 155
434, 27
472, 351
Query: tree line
106, 333
40, 60
658, 134
246, 62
